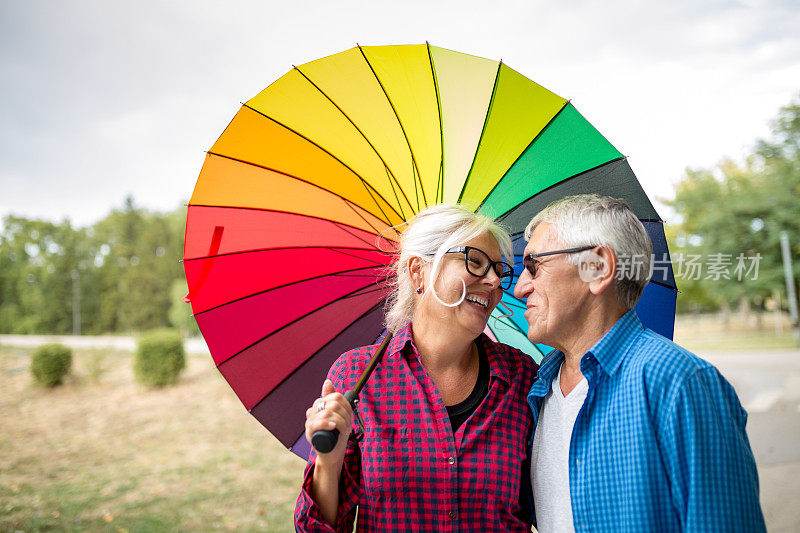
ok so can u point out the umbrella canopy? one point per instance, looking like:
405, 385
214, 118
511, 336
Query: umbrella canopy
291, 226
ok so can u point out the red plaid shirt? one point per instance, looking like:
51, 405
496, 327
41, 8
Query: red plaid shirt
406, 470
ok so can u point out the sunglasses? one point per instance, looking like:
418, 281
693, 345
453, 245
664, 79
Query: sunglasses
478, 264
529, 261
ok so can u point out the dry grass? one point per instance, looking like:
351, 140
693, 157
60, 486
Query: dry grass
101, 453
712, 332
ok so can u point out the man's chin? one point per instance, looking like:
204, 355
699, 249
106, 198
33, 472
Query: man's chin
536, 337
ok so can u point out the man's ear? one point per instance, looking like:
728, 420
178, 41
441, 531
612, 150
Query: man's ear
598, 268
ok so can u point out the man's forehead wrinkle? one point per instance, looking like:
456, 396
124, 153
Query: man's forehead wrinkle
544, 239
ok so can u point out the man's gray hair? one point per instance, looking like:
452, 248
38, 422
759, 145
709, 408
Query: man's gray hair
595, 220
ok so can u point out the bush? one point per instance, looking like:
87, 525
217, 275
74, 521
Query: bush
50, 363
160, 357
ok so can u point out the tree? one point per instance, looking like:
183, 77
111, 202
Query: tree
126, 264
36, 263
740, 211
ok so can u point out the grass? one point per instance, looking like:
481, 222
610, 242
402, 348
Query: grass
741, 332
102, 453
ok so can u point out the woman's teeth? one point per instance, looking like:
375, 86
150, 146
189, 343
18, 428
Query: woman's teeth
483, 302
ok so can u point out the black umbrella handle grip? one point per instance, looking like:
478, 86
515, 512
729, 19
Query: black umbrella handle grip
324, 440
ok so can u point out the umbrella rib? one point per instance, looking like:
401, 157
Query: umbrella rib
367, 186
535, 138
290, 448
341, 251
512, 235
366, 313
483, 130
392, 180
342, 273
307, 247
352, 294
665, 285
416, 173
392, 183
345, 229
574, 176
440, 181
359, 215
345, 200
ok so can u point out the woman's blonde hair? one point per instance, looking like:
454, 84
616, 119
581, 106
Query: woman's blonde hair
429, 235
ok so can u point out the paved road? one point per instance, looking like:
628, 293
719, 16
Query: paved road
117, 342
768, 385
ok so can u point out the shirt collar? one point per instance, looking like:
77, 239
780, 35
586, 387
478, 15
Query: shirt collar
609, 351
498, 363
398, 343
547, 371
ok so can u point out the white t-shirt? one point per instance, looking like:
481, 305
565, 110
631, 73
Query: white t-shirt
550, 457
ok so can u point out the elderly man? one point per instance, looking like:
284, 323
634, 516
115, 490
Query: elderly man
631, 431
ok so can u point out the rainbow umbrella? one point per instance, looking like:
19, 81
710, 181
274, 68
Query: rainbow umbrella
291, 225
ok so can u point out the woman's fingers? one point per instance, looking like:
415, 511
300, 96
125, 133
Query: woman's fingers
330, 411
329, 421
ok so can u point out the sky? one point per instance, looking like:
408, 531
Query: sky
100, 100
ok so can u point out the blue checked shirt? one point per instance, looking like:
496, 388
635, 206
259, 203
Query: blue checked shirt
660, 442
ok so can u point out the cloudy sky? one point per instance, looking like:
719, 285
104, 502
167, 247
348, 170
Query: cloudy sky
103, 99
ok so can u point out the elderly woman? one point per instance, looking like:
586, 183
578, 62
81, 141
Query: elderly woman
440, 442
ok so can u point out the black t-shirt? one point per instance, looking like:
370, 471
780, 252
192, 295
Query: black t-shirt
459, 412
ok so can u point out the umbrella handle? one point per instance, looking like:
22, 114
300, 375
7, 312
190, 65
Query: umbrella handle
324, 440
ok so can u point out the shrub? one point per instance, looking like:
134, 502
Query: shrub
160, 357
50, 363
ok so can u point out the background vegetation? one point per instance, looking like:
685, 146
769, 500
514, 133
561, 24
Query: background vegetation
125, 269
741, 208
50, 363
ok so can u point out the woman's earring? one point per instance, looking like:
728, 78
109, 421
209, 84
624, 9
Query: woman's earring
419, 290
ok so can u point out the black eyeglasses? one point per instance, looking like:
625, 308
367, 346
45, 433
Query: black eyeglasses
478, 264
529, 261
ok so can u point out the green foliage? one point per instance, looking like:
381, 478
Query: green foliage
160, 357
119, 271
50, 363
742, 209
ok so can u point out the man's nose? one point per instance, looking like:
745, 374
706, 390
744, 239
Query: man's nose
524, 285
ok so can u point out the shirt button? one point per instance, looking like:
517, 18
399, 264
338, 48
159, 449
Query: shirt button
451, 514
451, 460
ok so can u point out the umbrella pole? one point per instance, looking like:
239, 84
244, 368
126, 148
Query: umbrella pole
325, 440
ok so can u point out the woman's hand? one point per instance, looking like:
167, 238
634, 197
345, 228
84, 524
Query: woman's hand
330, 411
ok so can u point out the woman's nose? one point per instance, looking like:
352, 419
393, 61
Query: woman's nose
492, 278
